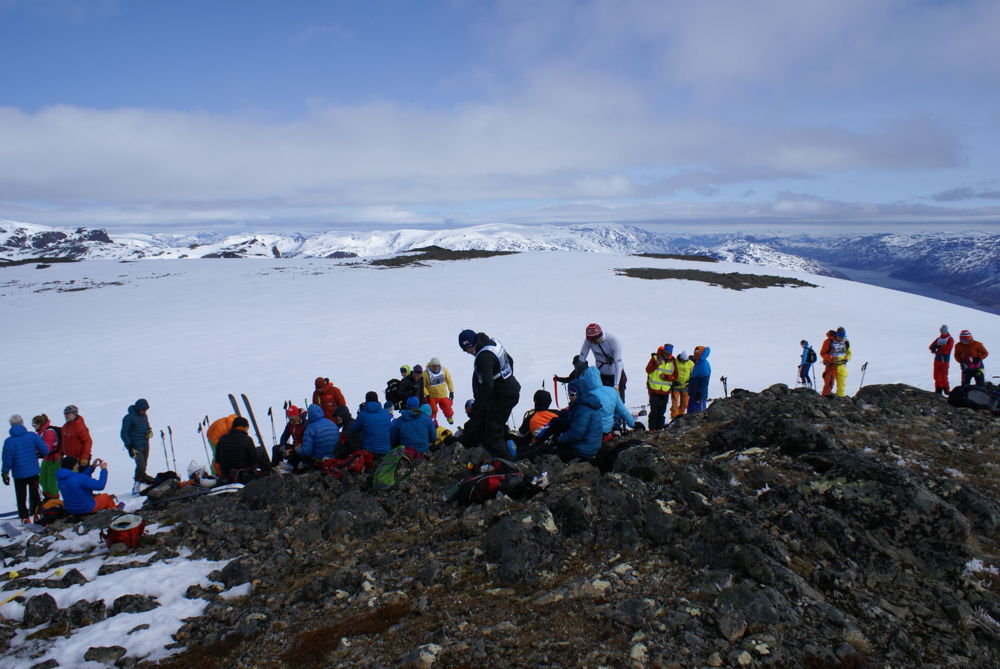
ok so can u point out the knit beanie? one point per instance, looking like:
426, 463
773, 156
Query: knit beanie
594, 331
466, 338
371, 396
965, 336
240, 421
944, 329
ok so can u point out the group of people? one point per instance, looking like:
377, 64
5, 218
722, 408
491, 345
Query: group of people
59, 460
969, 354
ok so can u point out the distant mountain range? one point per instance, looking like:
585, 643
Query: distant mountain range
965, 265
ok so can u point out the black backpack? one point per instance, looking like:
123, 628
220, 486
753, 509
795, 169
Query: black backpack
986, 397
810, 356
492, 478
58, 432
392, 391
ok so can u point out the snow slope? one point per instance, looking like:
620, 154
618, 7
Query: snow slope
184, 334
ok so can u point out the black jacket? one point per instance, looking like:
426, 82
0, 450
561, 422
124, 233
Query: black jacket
235, 450
487, 384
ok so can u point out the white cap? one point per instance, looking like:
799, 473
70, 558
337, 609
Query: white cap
683, 355
434, 361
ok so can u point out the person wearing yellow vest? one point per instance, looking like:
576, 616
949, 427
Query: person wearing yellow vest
679, 391
439, 391
661, 370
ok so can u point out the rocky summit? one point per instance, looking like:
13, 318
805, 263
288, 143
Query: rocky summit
776, 529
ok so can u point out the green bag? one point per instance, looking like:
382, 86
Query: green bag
394, 468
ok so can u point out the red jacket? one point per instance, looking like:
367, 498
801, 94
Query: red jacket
329, 398
941, 346
965, 351
76, 439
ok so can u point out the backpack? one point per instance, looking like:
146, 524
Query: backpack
810, 356
51, 510
395, 467
357, 462
494, 477
986, 397
392, 391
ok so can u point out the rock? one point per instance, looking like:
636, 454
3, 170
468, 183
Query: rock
522, 543
252, 624
39, 609
574, 512
236, 572
646, 463
47, 664
355, 514
133, 604
72, 577
635, 613
35, 549
430, 573
423, 656
82, 613
104, 654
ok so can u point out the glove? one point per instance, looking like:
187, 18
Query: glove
451, 396
6, 479
131, 452
149, 434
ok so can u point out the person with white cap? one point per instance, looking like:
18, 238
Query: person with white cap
439, 391
607, 356
941, 348
679, 392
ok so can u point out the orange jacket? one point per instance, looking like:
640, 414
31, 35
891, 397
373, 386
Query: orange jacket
219, 428
965, 351
76, 439
329, 398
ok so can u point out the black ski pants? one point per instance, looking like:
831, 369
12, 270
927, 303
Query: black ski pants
657, 410
22, 489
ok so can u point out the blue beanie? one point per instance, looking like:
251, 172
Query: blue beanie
841, 332
669, 348
412, 402
466, 338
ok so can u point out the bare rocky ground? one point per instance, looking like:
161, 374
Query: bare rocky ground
779, 529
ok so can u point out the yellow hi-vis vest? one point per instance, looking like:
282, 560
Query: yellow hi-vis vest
659, 384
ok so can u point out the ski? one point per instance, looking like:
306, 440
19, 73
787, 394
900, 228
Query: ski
265, 460
236, 407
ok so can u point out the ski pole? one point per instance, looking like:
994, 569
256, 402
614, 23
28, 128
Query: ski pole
163, 440
274, 438
863, 368
172, 454
725, 384
204, 443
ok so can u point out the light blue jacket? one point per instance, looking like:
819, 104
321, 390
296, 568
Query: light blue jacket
612, 406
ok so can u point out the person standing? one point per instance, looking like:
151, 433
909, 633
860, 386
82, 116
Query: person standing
679, 392
836, 351
76, 441
327, 396
21, 451
970, 355
700, 376
50, 463
607, 356
135, 436
495, 389
805, 363
661, 370
439, 391
941, 347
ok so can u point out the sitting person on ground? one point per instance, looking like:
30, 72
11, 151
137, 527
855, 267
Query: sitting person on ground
535, 419
320, 440
291, 437
413, 429
236, 454
350, 441
439, 391
76, 487
218, 429
327, 396
372, 424
21, 451
575, 433
615, 415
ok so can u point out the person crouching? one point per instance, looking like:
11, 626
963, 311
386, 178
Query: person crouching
236, 454
75, 487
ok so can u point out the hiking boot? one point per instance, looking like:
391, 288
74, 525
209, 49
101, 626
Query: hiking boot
137, 487
451, 421
121, 506
26, 521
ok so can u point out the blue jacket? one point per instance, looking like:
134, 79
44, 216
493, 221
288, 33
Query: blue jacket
75, 487
135, 427
21, 451
612, 406
373, 424
321, 435
584, 433
703, 367
413, 428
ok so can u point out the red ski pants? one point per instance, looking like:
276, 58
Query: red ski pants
442, 402
941, 375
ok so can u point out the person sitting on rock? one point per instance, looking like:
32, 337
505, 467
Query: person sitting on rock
236, 454
291, 436
372, 424
75, 487
413, 430
547, 438
319, 441
615, 415
535, 419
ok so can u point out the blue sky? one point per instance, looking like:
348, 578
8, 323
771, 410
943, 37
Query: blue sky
131, 114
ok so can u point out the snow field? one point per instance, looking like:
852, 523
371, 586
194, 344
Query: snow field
183, 334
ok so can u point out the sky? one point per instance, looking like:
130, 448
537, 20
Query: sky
276, 116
